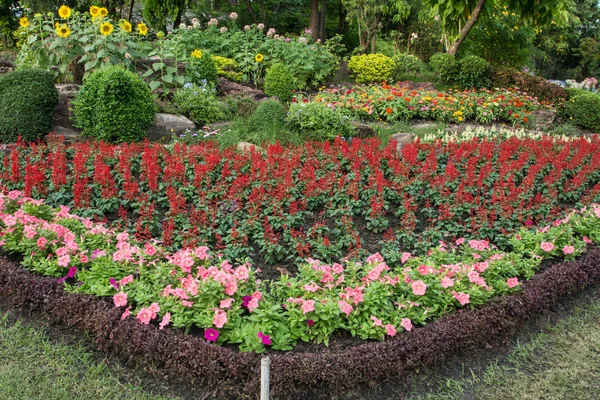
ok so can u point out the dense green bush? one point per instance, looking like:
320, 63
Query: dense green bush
316, 121
534, 85
199, 104
584, 110
227, 68
406, 64
370, 68
203, 68
27, 102
114, 105
279, 81
474, 72
445, 66
269, 115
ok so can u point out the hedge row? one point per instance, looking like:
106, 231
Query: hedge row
296, 374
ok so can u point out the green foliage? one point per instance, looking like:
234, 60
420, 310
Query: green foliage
584, 110
370, 68
316, 121
227, 68
534, 85
157, 11
114, 105
27, 102
280, 82
445, 66
474, 72
202, 69
405, 63
589, 51
270, 114
199, 104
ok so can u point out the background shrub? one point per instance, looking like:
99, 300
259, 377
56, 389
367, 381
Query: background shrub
227, 68
474, 72
269, 115
584, 110
279, 82
199, 103
27, 102
445, 66
369, 68
203, 69
316, 121
114, 105
406, 64
535, 86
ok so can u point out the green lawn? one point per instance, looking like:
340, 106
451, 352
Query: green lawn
34, 367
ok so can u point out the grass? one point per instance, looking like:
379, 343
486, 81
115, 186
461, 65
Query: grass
34, 367
561, 362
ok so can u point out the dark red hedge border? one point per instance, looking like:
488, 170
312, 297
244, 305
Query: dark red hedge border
293, 374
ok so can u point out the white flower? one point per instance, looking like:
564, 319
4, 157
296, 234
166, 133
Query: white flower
246, 27
260, 26
233, 16
223, 30
303, 40
195, 22
270, 32
182, 25
213, 22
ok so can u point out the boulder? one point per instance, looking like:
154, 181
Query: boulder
364, 130
226, 87
62, 112
402, 139
246, 147
542, 119
69, 135
165, 125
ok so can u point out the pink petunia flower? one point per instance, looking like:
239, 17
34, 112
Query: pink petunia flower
165, 321
120, 299
407, 324
144, 316
547, 246
405, 257
447, 282
345, 307
41, 242
568, 250
376, 321
419, 287
308, 306
423, 269
154, 309
587, 240
310, 322
226, 303
211, 334
126, 280
462, 298
512, 282
390, 330
126, 313
265, 339
220, 319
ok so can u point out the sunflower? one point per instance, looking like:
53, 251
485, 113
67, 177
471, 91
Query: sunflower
24, 22
63, 31
197, 54
259, 58
103, 12
125, 26
106, 28
142, 28
64, 12
95, 11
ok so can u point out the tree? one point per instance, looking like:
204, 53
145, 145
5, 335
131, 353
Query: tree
157, 11
459, 16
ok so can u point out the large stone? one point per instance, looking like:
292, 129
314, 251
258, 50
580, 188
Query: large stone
226, 87
69, 135
165, 125
247, 147
402, 139
542, 119
363, 130
62, 113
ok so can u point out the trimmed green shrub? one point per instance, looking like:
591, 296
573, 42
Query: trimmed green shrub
27, 101
370, 68
406, 64
474, 72
280, 82
445, 66
199, 104
584, 110
317, 121
114, 105
203, 68
269, 115
227, 68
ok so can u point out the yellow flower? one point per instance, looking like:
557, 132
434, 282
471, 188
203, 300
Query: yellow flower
259, 57
63, 31
95, 11
142, 28
24, 22
460, 119
125, 26
103, 12
106, 28
197, 54
160, 35
64, 12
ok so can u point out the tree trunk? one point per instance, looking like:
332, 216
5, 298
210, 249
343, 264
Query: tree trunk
313, 24
342, 24
250, 11
467, 28
322, 20
131, 4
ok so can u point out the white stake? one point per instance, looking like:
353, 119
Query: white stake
265, 366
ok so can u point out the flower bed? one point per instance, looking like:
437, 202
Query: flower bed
400, 103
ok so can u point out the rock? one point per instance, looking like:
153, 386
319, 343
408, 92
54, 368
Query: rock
246, 147
69, 135
62, 112
542, 119
165, 125
227, 87
363, 130
402, 139
461, 128
425, 125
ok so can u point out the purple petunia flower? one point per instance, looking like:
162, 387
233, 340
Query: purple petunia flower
266, 339
211, 334
72, 272
246, 300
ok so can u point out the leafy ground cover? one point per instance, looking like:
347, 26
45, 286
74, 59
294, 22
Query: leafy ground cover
396, 102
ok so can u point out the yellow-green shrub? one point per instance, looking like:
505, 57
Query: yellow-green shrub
369, 68
227, 68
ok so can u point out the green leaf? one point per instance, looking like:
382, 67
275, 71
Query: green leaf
158, 65
167, 78
154, 85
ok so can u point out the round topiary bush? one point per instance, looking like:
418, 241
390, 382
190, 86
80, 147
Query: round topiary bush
405, 63
584, 111
445, 66
114, 105
27, 101
370, 68
280, 82
269, 115
474, 72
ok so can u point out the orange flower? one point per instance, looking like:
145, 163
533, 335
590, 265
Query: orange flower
389, 110
407, 98
526, 120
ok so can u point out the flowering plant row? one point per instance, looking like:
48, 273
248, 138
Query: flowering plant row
323, 200
488, 133
400, 103
196, 288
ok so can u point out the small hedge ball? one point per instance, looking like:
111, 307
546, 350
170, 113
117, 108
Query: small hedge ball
445, 66
114, 105
27, 102
405, 63
474, 72
584, 111
371, 68
270, 114
280, 82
